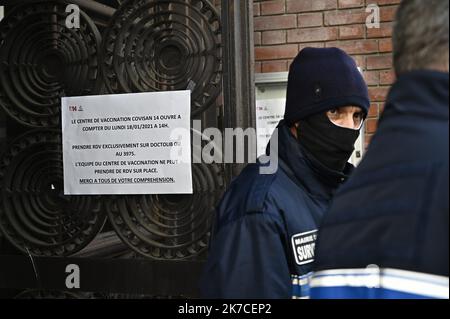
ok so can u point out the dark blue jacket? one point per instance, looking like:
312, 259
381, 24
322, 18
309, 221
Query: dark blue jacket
393, 212
263, 238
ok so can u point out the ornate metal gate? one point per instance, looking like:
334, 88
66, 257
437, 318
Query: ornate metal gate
128, 46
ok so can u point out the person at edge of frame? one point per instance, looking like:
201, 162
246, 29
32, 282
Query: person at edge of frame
386, 234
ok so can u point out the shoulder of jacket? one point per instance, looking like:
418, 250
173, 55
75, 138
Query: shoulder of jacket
260, 187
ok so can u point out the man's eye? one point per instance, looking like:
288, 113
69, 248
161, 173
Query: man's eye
358, 115
333, 111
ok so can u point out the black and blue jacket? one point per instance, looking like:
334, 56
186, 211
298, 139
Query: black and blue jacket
386, 234
263, 238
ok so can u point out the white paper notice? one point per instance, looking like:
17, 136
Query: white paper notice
268, 114
127, 144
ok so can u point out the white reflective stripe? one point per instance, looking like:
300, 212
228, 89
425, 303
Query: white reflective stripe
340, 281
308, 275
305, 280
353, 271
393, 279
301, 280
296, 297
416, 287
439, 280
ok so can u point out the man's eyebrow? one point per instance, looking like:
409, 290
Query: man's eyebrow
357, 109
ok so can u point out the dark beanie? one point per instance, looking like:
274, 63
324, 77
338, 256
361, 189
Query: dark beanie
321, 79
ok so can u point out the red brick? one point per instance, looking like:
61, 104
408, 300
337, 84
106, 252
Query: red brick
378, 94
312, 35
383, 2
256, 9
343, 17
328, 23
274, 66
360, 61
272, 7
386, 45
344, 4
356, 46
378, 62
367, 140
294, 6
275, 52
311, 45
384, 31
372, 77
373, 111
388, 13
371, 126
351, 32
387, 77
258, 68
310, 20
275, 22
257, 38
274, 37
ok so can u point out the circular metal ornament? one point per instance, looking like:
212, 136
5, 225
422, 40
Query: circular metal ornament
35, 215
169, 227
42, 59
165, 45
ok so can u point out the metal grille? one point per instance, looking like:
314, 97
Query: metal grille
165, 45
148, 45
34, 214
170, 226
42, 60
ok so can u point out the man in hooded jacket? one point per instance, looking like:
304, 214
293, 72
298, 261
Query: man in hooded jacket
386, 234
264, 234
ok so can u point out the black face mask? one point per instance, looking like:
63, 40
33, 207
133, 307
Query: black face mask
330, 144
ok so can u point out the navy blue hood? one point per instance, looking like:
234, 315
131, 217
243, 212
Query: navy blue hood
321, 79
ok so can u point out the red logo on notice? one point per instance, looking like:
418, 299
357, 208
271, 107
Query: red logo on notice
74, 108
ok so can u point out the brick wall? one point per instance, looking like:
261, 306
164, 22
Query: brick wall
284, 27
